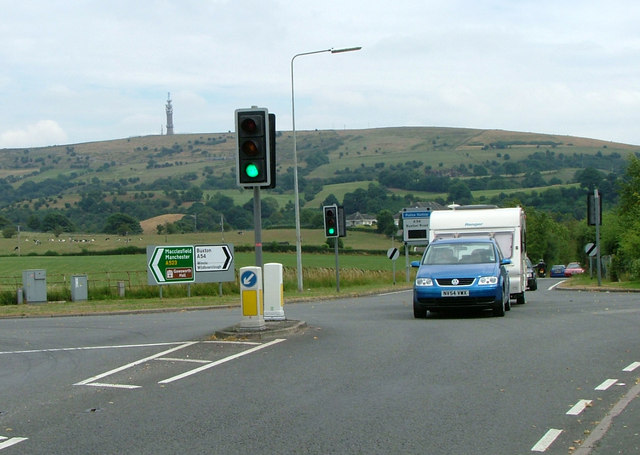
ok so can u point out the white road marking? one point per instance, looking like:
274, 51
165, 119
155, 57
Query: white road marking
559, 282
545, 442
218, 362
606, 384
601, 430
89, 348
10, 442
113, 386
176, 359
632, 366
253, 343
396, 292
579, 407
137, 362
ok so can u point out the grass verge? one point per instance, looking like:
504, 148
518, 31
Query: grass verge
92, 307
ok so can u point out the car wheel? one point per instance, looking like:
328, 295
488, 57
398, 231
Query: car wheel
499, 306
520, 300
419, 312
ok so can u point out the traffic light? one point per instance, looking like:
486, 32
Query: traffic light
330, 221
253, 159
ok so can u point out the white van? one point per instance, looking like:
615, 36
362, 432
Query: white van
507, 226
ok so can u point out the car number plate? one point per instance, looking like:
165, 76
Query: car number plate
456, 293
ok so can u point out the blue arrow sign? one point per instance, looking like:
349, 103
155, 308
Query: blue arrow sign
248, 279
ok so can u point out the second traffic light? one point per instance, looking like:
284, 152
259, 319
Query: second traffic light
330, 221
255, 158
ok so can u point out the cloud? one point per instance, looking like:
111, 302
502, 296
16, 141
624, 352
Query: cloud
42, 133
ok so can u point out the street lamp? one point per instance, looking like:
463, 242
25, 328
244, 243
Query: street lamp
295, 159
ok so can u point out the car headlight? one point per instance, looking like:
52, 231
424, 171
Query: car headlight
424, 282
486, 280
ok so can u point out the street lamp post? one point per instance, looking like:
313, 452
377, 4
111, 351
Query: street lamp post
295, 160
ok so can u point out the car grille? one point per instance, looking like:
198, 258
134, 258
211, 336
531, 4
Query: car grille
461, 281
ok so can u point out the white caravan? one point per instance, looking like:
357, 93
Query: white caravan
507, 226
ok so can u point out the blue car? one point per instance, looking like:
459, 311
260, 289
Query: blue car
460, 273
557, 271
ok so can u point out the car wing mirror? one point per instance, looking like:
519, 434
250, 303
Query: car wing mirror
505, 262
415, 264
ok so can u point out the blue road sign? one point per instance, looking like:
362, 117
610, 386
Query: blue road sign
248, 279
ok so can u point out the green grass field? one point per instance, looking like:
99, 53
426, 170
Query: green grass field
39, 243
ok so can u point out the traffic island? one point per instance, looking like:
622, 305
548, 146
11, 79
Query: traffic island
272, 329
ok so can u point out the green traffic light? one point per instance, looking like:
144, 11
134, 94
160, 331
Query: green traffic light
332, 231
251, 170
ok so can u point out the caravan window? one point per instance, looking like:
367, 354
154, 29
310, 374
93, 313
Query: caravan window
505, 242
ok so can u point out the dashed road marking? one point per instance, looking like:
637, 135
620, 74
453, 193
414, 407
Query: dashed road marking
606, 384
545, 442
579, 407
632, 366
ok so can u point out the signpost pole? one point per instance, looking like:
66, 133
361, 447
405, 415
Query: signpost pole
596, 199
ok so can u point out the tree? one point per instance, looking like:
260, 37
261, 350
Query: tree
122, 224
386, 224
628, 252
57, 223
460, 193
9, 231
589, 178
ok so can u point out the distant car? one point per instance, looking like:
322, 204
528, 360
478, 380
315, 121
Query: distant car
557, 271
457, 273
532, 279
573, 268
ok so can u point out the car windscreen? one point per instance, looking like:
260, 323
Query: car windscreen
460, 253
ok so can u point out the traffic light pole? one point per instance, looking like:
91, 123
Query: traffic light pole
335, 243
257, 224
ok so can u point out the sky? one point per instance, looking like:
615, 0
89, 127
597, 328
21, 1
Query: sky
74, 71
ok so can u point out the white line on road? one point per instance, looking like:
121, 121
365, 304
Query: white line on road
113, 386
545, 442
176, 359
606, 384
559, 282
396, 292
137, 362
601, 430
218, 362
632, 366
579, 407
89, 348
10, 442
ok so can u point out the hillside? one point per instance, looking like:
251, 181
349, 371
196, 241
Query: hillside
145, 159
151, 176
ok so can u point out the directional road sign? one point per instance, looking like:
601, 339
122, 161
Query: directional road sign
212, 258
248, 279
172, 264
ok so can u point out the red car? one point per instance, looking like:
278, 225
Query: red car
573, 269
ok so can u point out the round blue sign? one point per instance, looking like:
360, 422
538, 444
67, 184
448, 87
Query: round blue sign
248, 279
